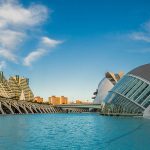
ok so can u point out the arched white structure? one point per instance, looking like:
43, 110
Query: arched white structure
103, 88
131, 94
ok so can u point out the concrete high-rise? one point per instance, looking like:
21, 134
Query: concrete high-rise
58, 100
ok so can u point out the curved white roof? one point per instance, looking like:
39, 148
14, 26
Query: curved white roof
104, 86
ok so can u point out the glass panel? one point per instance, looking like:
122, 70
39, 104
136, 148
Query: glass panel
131, 91
147, 104
144, 97
142, 87
129, 86
121, 83
126, 85
143, 94
139, 91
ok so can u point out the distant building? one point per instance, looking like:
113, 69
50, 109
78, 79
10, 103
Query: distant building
63, 100
105, 85
78, 102
58, 100
54, 100
82, 102
38, 99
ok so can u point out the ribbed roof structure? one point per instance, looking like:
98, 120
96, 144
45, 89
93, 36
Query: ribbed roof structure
142, 71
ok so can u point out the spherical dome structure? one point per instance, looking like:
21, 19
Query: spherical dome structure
104, 86
132, 93
142, 71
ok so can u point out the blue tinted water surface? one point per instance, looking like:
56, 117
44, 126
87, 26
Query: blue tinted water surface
73, 132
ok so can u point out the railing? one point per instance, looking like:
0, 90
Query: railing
79, 106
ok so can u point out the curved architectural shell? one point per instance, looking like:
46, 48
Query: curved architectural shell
132, 93
104, 86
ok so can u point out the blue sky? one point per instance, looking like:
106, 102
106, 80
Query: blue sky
66, 46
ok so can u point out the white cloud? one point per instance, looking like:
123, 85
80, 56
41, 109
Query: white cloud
8, 55
33, 56
13, 13
2, 65
46, 45
140, 36
10, 39
15, 21
50, 42
143, 34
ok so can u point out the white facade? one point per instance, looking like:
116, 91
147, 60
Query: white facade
103, 88
146, 113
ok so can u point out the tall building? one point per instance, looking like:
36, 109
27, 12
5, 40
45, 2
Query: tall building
132, 93
105, 85
63, 100
58, 100
20, 87
38, 99
16, 87
16, 97
54, 100
5, 88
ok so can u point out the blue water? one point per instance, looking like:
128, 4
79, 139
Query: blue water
73, 132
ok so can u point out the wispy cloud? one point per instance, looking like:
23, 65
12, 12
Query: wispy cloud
14, 14
8, 55
139, 50
15, 21
33, 56
45, 41
9, 39
143, 34
140, 36
45, 46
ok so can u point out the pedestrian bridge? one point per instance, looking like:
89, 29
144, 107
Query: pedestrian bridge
94, 106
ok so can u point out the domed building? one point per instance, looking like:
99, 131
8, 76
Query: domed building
105, 85
132, 93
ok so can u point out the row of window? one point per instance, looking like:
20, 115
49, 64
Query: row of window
124, 103
132, 88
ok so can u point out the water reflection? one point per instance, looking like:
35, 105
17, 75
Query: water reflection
73, 131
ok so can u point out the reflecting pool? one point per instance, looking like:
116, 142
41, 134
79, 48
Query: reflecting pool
83, 131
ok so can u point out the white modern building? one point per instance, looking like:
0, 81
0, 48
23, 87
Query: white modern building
105, 85
132, 93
